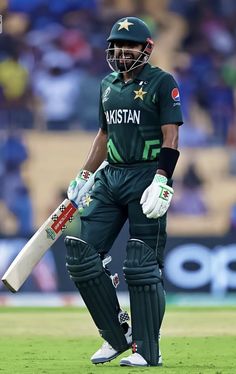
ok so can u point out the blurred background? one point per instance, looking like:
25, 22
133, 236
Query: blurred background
52, 60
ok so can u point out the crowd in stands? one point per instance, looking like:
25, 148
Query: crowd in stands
52, 59
206, 72
53, 51
13, 189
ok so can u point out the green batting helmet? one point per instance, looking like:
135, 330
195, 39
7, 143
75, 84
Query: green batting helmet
130, 28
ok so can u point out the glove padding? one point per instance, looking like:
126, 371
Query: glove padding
76, 185
156, 198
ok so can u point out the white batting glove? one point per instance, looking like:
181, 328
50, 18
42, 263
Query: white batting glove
156, 198
76, 185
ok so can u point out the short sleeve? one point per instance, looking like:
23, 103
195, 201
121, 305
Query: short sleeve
168, 101
102, 117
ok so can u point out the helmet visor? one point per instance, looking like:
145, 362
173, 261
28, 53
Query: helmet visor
124, 59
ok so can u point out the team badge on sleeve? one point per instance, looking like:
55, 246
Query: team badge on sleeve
106, 94
175, 94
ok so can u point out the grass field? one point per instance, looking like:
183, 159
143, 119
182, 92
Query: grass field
61, 340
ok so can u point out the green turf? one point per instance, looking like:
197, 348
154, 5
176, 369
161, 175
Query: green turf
62, 340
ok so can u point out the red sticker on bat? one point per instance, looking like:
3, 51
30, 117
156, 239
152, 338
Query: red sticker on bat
63, 218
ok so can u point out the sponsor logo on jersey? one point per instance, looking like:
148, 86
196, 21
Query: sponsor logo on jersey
124, 116
175, 94
106, 94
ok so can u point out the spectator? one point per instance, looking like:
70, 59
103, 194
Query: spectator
191, 197
57, 86
89, 91
14, 192
221, 108
14, 98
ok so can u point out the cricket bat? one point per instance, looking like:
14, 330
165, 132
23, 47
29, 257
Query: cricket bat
43, 239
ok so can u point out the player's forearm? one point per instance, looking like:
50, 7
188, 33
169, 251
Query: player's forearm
169, 154
170, 136
97, 153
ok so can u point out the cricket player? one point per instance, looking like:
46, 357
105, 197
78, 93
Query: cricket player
139, 119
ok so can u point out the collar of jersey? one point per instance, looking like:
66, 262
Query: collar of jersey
142, 76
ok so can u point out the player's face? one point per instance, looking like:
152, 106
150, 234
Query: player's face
126, 53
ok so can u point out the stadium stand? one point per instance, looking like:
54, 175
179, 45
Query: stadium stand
195, 40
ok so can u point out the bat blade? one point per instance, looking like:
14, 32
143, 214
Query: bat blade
35, 248
42, 240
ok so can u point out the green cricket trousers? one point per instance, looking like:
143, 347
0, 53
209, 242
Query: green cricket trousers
115, 198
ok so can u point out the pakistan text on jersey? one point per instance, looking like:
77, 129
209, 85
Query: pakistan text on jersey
122, 116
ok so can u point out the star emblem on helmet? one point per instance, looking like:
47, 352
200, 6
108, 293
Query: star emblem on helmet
125, 24
139, 94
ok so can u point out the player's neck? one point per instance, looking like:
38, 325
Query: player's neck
130, 75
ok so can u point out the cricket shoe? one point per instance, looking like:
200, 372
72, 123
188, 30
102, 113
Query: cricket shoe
106, 353
135, 359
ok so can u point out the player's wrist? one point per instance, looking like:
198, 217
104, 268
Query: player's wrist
159, 178
167, 161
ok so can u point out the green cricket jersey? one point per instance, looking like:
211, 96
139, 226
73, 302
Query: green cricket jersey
132, 114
